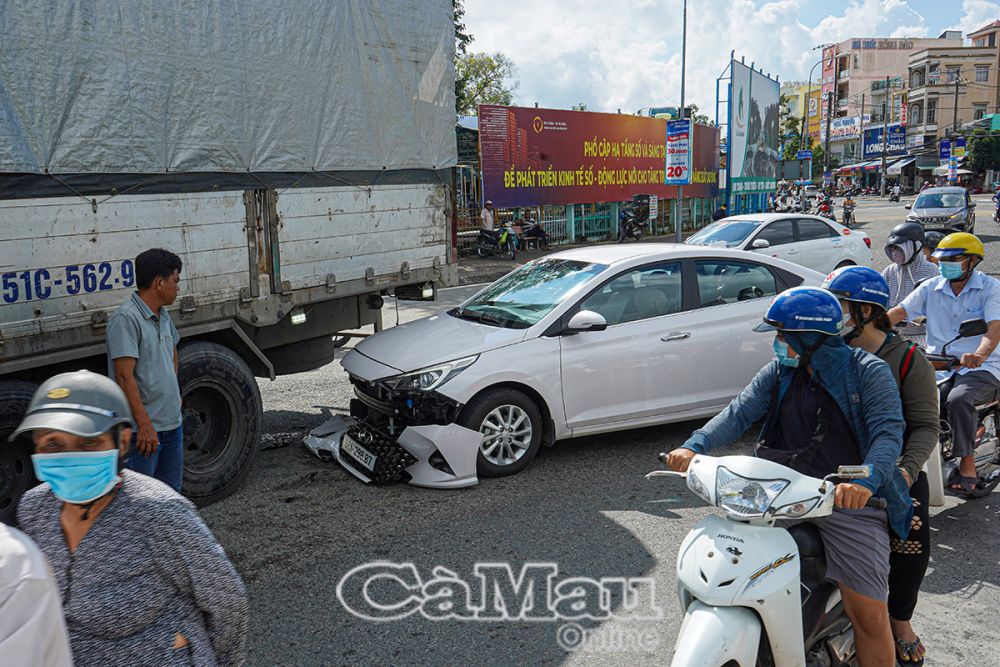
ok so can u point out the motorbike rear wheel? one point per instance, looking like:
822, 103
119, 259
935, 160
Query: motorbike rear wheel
510, 250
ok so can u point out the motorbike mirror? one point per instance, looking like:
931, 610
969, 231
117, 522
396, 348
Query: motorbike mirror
586, 320
970, 328
760, 244
972, 204
853, 472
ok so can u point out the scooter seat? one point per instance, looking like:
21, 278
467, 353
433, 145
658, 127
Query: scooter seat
808, 540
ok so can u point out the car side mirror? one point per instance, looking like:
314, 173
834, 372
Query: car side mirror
971, 328
586, 320
760, 244
972, 204
908, 207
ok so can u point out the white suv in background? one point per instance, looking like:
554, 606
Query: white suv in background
808, 240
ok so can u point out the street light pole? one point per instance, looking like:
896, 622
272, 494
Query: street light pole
680, 188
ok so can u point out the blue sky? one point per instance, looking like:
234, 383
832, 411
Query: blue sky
625, 54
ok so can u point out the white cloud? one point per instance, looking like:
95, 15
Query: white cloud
616, 54
976, 14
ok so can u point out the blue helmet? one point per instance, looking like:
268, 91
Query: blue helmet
859, 283
802, 309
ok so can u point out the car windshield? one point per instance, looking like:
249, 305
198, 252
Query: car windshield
526, 295
728, 232
940, 200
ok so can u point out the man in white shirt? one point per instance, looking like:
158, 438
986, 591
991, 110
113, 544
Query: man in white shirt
486, 216
32, 629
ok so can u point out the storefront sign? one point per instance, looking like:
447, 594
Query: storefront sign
958, 147
944, 149
804, 155
845, 128
873, 142
532, 157
914, 140
883, 44
678, 164
653, 204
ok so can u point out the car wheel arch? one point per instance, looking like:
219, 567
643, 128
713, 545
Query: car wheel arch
549, 430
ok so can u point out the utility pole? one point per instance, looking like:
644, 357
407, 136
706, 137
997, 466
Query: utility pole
680, 188
885, 133
954, 121
861, 130
826, 147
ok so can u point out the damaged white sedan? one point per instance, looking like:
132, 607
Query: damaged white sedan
576, 343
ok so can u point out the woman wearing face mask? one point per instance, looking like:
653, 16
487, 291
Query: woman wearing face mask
142, 579
864, 296
909, 265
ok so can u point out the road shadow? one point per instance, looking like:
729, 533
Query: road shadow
964, 545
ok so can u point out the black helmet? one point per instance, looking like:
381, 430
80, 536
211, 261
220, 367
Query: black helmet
931, 239
906, 231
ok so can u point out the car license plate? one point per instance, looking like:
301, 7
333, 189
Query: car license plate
359, 453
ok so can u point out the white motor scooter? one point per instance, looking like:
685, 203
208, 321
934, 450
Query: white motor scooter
754, 593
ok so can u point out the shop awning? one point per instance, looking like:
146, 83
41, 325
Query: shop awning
943, 171
858, 166
897, 168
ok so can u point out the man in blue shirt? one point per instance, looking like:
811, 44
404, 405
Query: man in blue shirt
960, 293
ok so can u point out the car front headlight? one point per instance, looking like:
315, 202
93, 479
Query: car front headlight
427, 379
745, 498
913, 218
956, 216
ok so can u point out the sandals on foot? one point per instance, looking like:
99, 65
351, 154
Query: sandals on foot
910, 654
964, 486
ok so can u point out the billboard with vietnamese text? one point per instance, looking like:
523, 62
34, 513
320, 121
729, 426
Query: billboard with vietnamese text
753, 127
532, 156
873, 142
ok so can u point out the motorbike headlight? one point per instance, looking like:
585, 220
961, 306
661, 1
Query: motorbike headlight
697, 486
795, 510
745, 498
427, 379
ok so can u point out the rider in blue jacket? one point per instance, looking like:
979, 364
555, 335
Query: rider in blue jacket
824, 405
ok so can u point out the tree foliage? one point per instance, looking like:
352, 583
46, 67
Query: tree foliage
983, 152
579, 106
483, 78
462, 38
699, 117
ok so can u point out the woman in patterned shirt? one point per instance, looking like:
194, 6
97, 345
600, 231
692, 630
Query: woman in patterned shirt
143, 581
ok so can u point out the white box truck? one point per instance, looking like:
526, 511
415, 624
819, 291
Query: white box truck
298, 158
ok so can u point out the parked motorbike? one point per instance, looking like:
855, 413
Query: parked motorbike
750, 589
629, 226
987, 445
499, 243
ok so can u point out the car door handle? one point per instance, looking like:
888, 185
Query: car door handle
676, 335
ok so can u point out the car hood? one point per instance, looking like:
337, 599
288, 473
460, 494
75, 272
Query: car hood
427, 342
936, 211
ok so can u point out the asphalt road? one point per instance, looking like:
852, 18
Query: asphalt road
299, 525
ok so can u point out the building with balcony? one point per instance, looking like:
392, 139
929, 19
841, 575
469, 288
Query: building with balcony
855, 74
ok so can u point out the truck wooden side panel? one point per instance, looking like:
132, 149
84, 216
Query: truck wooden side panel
40, 238
349, 230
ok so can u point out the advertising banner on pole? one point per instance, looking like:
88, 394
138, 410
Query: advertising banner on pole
873, 142
678, 152
958, 147
944, 149
532, 157
753, 119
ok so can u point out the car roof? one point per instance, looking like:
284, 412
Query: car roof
945, 188
615, 254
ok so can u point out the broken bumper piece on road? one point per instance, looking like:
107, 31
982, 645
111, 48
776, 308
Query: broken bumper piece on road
433, 456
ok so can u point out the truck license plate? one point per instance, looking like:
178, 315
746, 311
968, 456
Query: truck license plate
359, 453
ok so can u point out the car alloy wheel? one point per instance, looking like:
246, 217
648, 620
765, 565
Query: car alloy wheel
507, 435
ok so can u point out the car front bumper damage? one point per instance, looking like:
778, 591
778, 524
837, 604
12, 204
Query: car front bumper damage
433, 456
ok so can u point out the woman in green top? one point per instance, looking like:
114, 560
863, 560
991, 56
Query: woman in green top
864, 294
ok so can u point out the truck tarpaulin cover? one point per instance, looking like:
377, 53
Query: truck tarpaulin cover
151, 86
532, 156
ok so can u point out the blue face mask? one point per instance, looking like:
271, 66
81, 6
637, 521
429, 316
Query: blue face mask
951, 270
781, 352
78, 477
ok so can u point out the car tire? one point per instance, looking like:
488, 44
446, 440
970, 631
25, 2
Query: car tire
17, 475
503, 407
222, 415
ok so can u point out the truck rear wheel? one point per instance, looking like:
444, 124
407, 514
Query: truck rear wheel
16, 472
222, 416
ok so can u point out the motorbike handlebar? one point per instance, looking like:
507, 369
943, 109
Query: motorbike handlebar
662, 457
943, 362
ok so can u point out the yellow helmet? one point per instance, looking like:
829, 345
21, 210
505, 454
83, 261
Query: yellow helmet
960, 243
